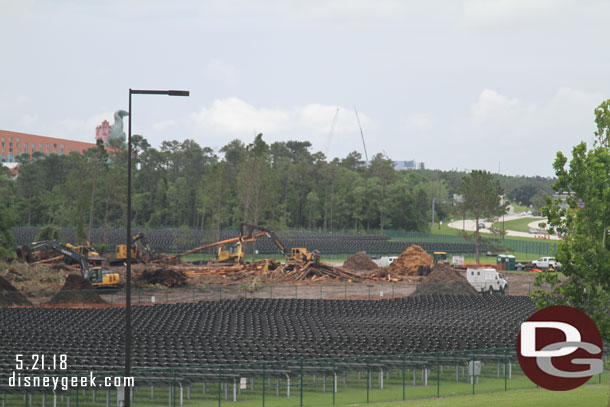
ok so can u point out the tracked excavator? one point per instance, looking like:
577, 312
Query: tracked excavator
141, 251
294, 255
97, 276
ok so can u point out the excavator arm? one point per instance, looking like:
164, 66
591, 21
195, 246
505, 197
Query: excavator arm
268, 232
54, 245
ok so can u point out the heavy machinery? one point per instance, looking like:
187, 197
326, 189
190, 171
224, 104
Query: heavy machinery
296, 254
141, 251
437, 258
97, 276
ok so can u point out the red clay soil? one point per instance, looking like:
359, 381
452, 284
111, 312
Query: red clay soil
9, 295
163, 275
360, 261
409, 261
444, 279
77, 290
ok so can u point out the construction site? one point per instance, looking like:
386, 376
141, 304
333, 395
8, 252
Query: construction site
253, 316
51, 274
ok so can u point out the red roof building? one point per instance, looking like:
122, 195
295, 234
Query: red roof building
14, 144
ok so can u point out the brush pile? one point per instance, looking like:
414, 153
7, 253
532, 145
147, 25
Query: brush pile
444, 279
409, 261
360, 261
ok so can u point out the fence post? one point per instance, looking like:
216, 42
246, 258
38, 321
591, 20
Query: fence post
505, 379
296, 291
264, 377
219, 388
368, 378
345, 292
404, 376
335, 382
271, 292
473, 371
173, 387
220, 293
301, 383
438, 376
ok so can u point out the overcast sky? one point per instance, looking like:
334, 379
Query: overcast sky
455, 84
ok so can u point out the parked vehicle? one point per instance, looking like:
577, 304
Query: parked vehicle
546, 263
486, 280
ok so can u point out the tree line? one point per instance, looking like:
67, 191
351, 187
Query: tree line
281, 185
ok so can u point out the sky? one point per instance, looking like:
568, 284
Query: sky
500, 85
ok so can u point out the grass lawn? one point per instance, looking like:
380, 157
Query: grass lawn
588, 395
518, 225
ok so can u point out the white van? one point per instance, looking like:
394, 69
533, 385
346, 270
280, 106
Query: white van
486, 280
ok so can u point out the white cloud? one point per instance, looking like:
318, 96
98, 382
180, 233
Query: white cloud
489, 13
29, 119
217, 70
522, 135
22, 100
163, 125
233, 117
418, 123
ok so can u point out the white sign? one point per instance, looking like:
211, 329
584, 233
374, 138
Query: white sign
458, 260
243, 383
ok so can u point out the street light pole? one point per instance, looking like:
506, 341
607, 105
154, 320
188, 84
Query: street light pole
127, 392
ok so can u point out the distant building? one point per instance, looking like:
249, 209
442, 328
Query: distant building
408, 165
14, 144
102, 131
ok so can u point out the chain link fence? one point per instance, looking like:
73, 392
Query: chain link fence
295, 383
341, 291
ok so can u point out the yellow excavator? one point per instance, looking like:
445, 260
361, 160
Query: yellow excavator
141, 251
296, 254
437, 258
97, 276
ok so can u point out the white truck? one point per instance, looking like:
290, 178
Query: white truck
486, 280
546, 263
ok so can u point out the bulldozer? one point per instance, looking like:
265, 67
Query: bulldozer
233, 253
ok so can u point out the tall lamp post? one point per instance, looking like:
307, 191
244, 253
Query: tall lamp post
127, 393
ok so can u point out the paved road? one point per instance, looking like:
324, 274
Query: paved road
469, 225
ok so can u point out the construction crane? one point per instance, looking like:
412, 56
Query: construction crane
366, 156
331, 131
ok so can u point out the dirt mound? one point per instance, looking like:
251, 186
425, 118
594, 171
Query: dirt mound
162, 275
444, 279
9, 295
360, 261
77, 290
409, 261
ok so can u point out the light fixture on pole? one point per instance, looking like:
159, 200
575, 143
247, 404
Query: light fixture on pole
127, 393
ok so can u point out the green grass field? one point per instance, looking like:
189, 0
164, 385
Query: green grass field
518, 225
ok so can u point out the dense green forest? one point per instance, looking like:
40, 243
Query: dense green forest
282, 185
